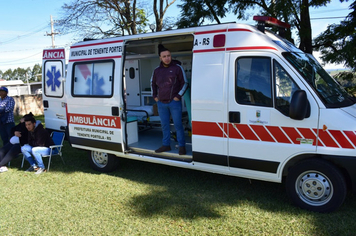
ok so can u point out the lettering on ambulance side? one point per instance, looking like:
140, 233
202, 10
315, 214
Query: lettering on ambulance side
203, 41
53, 54
277, 134
95, 131
95, 51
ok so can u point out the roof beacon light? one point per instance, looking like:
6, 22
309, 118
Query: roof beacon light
268, 21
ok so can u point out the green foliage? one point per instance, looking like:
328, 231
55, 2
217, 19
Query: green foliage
294, 12
20, 74
348, 80
338, 43
103, 18
196, 12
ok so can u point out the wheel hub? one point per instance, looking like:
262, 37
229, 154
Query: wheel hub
100, 158
314, 188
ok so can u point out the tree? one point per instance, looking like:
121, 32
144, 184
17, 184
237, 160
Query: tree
294, 12
103, 18
159, 12
347, 79
35, 73
338, 43
20, 74
106, 18
7, 75
196, 12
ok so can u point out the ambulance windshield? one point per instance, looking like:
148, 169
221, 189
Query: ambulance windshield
329, 91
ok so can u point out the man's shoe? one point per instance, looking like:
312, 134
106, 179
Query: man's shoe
163, 149
182, 151
32, 168
3, 169
40, 171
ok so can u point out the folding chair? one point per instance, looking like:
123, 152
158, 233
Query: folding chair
56, 149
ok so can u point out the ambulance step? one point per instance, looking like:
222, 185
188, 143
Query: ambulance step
172, 155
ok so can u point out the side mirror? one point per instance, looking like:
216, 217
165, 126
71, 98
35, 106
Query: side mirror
299, 105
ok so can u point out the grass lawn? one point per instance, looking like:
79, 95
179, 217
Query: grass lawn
149, 199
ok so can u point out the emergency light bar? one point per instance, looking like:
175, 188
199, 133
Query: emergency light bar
269, 21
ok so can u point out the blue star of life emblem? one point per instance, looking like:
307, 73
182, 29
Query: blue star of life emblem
96, 84
53, 76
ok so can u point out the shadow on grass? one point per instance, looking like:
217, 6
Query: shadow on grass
178, 192
188, 194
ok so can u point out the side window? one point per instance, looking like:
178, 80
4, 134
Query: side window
253, 81
285, 87
94, 79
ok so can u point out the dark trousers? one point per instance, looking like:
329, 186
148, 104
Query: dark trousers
9, 152
5, 132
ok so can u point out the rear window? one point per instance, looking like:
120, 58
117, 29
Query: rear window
94, 79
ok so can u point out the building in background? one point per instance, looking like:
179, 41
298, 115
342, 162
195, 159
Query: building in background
18, 87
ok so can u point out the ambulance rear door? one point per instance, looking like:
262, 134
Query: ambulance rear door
94, 93
261, 134
54, 99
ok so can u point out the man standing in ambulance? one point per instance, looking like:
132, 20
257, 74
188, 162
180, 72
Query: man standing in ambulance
168, 85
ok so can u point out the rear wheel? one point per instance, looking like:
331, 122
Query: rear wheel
103, 162
316, 185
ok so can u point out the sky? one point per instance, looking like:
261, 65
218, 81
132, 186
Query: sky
24, 25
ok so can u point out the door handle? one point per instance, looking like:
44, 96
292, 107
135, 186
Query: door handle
115, 111
234, 117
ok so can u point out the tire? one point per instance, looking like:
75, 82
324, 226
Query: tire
103, 162
316, 185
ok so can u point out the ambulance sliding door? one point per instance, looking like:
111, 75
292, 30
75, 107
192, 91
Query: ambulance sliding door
260, 132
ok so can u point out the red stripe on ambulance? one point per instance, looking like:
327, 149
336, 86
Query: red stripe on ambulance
262, 133
210, 32
341, 139
275, 134
96, 44
351, 135
96, 58
239, 30
308, 134
292, 133
325, 137
233, 132
246, 132
251, 48
278, 134
207, 129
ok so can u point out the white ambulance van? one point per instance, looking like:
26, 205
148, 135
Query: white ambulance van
257, 108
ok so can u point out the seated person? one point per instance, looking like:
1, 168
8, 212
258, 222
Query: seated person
38, 144
13, 148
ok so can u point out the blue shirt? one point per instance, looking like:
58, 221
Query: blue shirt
7, 110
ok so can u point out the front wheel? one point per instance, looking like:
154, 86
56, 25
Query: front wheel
102, 161
316, 185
